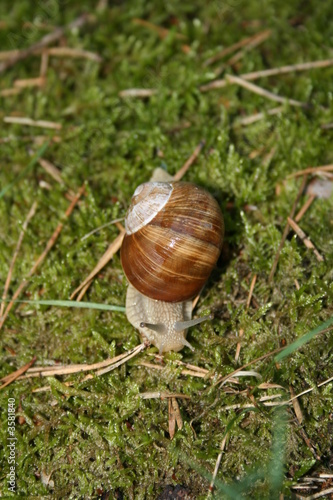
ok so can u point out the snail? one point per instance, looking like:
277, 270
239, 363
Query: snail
174, 234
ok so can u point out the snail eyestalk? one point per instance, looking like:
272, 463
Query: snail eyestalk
158, 327
183, 325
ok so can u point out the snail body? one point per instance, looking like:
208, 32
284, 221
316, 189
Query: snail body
174, 233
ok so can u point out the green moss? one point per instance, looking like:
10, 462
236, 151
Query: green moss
96, 435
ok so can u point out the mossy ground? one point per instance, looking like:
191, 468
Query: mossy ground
98, 436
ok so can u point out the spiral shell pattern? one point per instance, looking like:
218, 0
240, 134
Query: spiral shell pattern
170, 254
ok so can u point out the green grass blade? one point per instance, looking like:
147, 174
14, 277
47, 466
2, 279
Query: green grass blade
32, 163
303, 340
277, 463
72, 303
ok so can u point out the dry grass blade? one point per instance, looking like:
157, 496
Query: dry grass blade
29, 82
159, 357
248, 302
176, 411
224, 379
218, 462
328, 381
44, 64
218, 84
307, 242
269, 404
162, 32
249, 298
125, 357
137, 93
174, 417
13, 376
42, 256
288, 69
296, 405
55, 52
32, 123
49, 371
192, 373
101, 367
101, 227
182, 171
162, 395
320, 494
74, 53
51, 170
305, 207
248, 120
171, 420
8, 54
311, 170
256, 40
264, 93
9, 92
232, 48
112, 249
16, 251
192, 367
131, 355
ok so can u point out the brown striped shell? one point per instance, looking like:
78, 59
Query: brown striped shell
174, 238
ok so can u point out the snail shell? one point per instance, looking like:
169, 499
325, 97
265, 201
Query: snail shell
174, 238
174, 234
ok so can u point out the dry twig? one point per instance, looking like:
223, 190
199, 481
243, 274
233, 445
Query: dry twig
305, 207
307, 242
15, 375
182, 171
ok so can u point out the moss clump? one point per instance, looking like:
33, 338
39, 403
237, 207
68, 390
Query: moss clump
96, 437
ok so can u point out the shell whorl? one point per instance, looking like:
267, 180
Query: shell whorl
171, 257
148, 199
